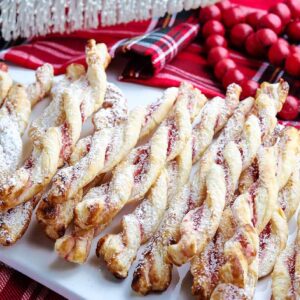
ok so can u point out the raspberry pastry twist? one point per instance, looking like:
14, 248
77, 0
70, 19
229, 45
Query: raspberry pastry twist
253, 210
205, 268
115, 248
240, 267
54, 145
274, 236
235, 158
14, 117
116, 134
154, 269
133, 177
286, 273
120, 250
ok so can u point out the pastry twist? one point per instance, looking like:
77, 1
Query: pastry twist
286, 273
154, 269
14, 117
115, 248
120, 250
240, 266
133, 177
116, 134
206, 274
254, 209
82, 98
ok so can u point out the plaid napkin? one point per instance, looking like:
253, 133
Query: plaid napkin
14, 286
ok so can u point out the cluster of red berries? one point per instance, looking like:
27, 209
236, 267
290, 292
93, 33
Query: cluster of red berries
257, 32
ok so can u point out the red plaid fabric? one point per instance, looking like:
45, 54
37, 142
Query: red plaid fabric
14, 286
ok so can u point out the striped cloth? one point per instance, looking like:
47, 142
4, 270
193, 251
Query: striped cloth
15, 286
162, 52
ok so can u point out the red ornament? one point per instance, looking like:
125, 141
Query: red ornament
214, 41
292, 64
211, 12
253, 18
249, 88
224, 5
295, 49
223, 66
216, 54
271, 21
290, 109
213, 27
279, 52
293, 31
266, 37
253, 46
233, 15
282, 11
294, 6
239, 34
232, 76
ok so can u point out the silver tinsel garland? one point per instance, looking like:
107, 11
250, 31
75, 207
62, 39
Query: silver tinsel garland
26, 18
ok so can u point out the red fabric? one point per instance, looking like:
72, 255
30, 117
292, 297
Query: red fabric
14, 285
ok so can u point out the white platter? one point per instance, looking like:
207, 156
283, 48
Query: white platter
33, 255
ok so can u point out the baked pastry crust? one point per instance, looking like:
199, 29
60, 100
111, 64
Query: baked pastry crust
116, 133
133, 177
286, 274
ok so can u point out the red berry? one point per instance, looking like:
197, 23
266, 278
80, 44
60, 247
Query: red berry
223, 66
294, 6
211, 12
282, 11
224, 4
214, 41
266, 37
213, 27
295, 49
290, 109
271, 21
254, 47
232, 75
278, 53
233, 15
292, 64
293, 31
253, 18
239, 34
216, 54
249, 88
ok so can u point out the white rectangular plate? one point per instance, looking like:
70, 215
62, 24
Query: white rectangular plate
33, 255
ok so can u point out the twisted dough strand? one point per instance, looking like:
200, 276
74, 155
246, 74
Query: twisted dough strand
14, 116
116, 139
114, 248
286, 273
154, 269
253, 211
206, 273
80, 100
133, 177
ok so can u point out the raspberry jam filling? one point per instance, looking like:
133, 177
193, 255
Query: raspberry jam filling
264, 238
108, 151
252, 194
197, 216
150, 111
291, 265
66, 141
140, 163
215, 259
172, 136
